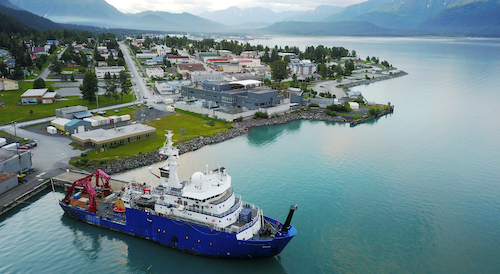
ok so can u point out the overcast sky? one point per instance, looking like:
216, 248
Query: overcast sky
199, 6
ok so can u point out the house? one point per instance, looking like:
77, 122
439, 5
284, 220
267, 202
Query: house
38, 96
8, 84
36, 51
156, 72
10, 62
101, 71
53, 42
3, 53
77, 126
101, 138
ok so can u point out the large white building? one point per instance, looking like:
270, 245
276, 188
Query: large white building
101, 71
145, 55
197, 77
154, 72
162, 50
303, 67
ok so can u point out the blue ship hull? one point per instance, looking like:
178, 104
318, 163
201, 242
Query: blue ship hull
183, 236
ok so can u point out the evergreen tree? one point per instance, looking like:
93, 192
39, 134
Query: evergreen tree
110, 60
279, 70
124, 83
110, 88
56, 65
89, 86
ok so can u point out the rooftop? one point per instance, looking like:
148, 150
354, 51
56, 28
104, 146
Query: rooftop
6, 154
102, 135
34, 92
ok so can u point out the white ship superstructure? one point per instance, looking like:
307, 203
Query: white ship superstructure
206, 199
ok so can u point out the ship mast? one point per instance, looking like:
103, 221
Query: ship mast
169, 168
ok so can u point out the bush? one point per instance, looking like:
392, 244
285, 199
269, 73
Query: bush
260, 114
239, 119
39, 83
115, 145
372, 112
313, 105
341, 108
330, 113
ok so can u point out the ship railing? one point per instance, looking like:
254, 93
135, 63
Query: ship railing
237, 204
224, 198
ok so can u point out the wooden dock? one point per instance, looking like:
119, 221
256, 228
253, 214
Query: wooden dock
64, 180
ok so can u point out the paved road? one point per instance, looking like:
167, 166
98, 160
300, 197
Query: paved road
143, 92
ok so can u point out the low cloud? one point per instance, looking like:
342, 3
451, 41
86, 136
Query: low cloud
199, 6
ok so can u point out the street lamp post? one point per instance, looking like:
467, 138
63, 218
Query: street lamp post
15, 136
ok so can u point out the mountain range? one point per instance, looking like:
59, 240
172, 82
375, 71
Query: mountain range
373, 17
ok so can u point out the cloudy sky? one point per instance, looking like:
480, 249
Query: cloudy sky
199, 6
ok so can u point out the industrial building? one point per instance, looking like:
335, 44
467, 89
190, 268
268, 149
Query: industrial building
247, 94
198, 77
72, 112
13, 162
77, 126
59, 123
102, 138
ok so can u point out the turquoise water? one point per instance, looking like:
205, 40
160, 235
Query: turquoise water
415, 191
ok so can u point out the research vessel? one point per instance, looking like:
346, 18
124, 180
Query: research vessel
201, 215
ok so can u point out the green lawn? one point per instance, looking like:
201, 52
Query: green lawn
74, 68
195, 126
13, 112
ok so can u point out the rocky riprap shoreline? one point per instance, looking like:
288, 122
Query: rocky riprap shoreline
366, 81
239, 128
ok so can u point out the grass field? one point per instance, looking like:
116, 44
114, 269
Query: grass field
194, 124
13, 112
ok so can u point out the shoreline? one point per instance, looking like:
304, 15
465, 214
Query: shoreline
239, 128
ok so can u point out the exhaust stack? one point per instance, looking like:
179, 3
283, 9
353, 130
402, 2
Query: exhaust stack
286, 226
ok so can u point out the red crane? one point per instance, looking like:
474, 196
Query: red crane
88, 188
106, 188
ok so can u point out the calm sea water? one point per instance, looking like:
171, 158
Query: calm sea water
415, 191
